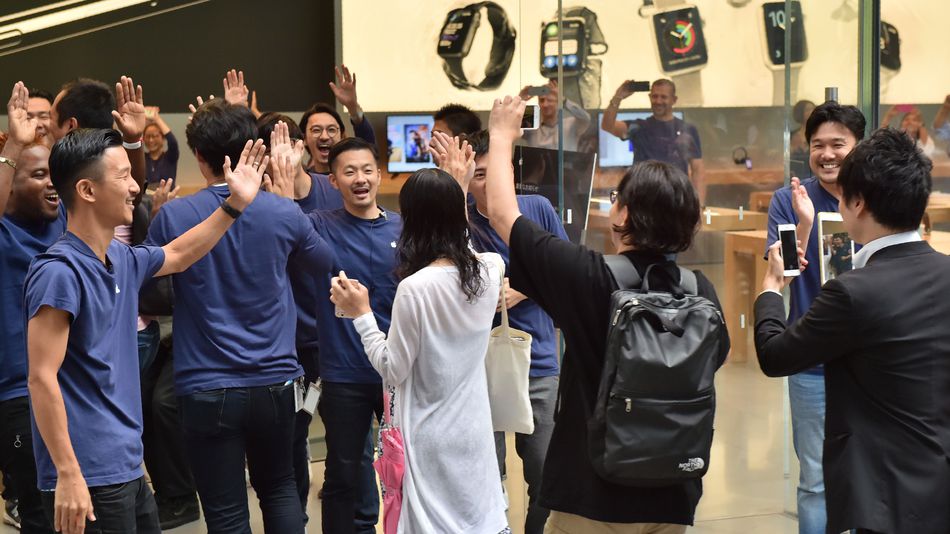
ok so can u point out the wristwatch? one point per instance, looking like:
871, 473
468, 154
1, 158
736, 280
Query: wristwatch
8, 161
580, 39
455, 42
681, 47
775, 22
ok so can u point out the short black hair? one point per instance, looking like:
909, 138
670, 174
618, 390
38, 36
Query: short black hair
848, 116
460, 119
348, 144
320, 107
90, 102
75, 154
40, 93
891, 175
662, 208
798, 112
267, 121
219, 129
479, 142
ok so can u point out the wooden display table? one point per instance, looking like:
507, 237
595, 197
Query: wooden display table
744, 269
712, 219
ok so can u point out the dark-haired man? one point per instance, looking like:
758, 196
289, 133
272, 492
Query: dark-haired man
81, 300
831, 131
456, 120
880, 332
39, 107
363, 237
235, 360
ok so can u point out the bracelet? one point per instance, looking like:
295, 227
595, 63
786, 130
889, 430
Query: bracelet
8, 161
132, 146
230, 210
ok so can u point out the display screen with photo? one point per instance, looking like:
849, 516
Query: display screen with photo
616, 152
837, 248
407, 142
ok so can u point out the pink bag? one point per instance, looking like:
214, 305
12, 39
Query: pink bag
391, 466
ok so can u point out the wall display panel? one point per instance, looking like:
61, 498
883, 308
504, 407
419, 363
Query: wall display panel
407, 141
616, 152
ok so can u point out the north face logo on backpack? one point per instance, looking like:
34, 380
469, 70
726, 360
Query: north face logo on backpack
694, 464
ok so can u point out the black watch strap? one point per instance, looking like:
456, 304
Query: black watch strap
230, 210
499, 60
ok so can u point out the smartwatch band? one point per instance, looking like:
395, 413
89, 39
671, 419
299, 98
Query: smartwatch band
499, 60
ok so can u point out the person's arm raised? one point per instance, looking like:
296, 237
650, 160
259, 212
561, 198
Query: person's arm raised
235, 92
281, 144
610, 123
47, 336
130, 120
244, 182
22, 133
457, 159
345, 92
504, 127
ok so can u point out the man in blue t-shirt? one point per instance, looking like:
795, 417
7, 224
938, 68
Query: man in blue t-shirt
662, 137
831, 131
31, 220
235, 360
81, 303
524, 315
363, 237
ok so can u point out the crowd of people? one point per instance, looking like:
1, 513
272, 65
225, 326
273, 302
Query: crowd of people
285, 275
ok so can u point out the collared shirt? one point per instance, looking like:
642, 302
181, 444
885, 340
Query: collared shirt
862, 256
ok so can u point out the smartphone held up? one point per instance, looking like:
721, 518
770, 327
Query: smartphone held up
789, 238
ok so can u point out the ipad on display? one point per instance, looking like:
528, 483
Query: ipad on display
616, 152
407, 142
837, 248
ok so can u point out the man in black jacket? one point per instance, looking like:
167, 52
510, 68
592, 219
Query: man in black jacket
881, 332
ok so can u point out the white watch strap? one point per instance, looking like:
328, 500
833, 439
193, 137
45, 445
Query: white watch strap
689, 88
666, 4
778, 86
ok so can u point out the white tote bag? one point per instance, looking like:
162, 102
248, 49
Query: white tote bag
507, 365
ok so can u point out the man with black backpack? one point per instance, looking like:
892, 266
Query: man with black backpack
646, 492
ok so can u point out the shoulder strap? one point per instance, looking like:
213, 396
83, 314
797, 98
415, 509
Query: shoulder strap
623, 271
688, 282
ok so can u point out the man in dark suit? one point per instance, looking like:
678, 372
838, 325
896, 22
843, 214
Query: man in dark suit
881, 331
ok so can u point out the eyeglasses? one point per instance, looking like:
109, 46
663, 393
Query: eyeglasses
613, 196
332, 131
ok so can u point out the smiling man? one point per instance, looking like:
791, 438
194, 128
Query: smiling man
832, 131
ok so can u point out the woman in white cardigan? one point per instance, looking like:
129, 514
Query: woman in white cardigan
434, 358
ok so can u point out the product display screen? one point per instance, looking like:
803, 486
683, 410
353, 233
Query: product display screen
616, 152
573, 47
837, 247
776, 23
457, 33
680, 41
407, 142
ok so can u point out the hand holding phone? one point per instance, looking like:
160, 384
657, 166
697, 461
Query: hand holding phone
636, 87
538, 90
342, 280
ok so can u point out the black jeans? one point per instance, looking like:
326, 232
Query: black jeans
350, 493
309, 358
223, 427
165, 456
17, 463
126, 508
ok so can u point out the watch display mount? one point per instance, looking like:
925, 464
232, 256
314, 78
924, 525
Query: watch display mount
455, 42
890, 47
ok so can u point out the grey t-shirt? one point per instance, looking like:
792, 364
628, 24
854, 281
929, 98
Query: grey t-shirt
675, 142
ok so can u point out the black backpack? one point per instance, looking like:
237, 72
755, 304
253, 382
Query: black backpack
652, 425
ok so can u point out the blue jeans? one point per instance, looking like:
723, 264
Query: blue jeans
126, 508
350, 493
222, 427
148, 345
806, 394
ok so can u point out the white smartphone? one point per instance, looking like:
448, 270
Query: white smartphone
532, 117
789, 238
337, 310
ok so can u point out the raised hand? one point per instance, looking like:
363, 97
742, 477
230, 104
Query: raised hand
235, 92
504, 122
281, 143
254, 109
345, 88
163, 193
457, 160
245, 180
281, 178
22, 128
200, 101
129, 114
802, 205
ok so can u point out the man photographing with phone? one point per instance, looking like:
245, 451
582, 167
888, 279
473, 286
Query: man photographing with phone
576, 119
661, 137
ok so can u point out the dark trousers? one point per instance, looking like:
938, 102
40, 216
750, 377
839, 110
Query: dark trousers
350, 493
127, 508
309, 358
165, 456
223, 427
17, 463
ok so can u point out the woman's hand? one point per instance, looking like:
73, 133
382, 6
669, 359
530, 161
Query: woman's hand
350, 296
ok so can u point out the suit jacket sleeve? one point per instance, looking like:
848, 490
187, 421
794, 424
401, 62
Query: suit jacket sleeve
829, 330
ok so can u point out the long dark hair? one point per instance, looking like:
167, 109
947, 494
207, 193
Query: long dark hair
435, 226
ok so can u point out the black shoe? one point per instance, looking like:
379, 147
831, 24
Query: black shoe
177, 512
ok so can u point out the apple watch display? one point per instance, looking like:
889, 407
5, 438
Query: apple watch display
680, 40
573, 45
776, 24
890, 47
455, 43
455, 39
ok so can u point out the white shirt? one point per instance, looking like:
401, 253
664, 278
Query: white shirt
435, 359
861, 257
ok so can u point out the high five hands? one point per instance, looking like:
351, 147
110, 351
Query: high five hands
245, 180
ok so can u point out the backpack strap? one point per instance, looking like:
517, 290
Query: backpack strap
624, 273
688, 282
